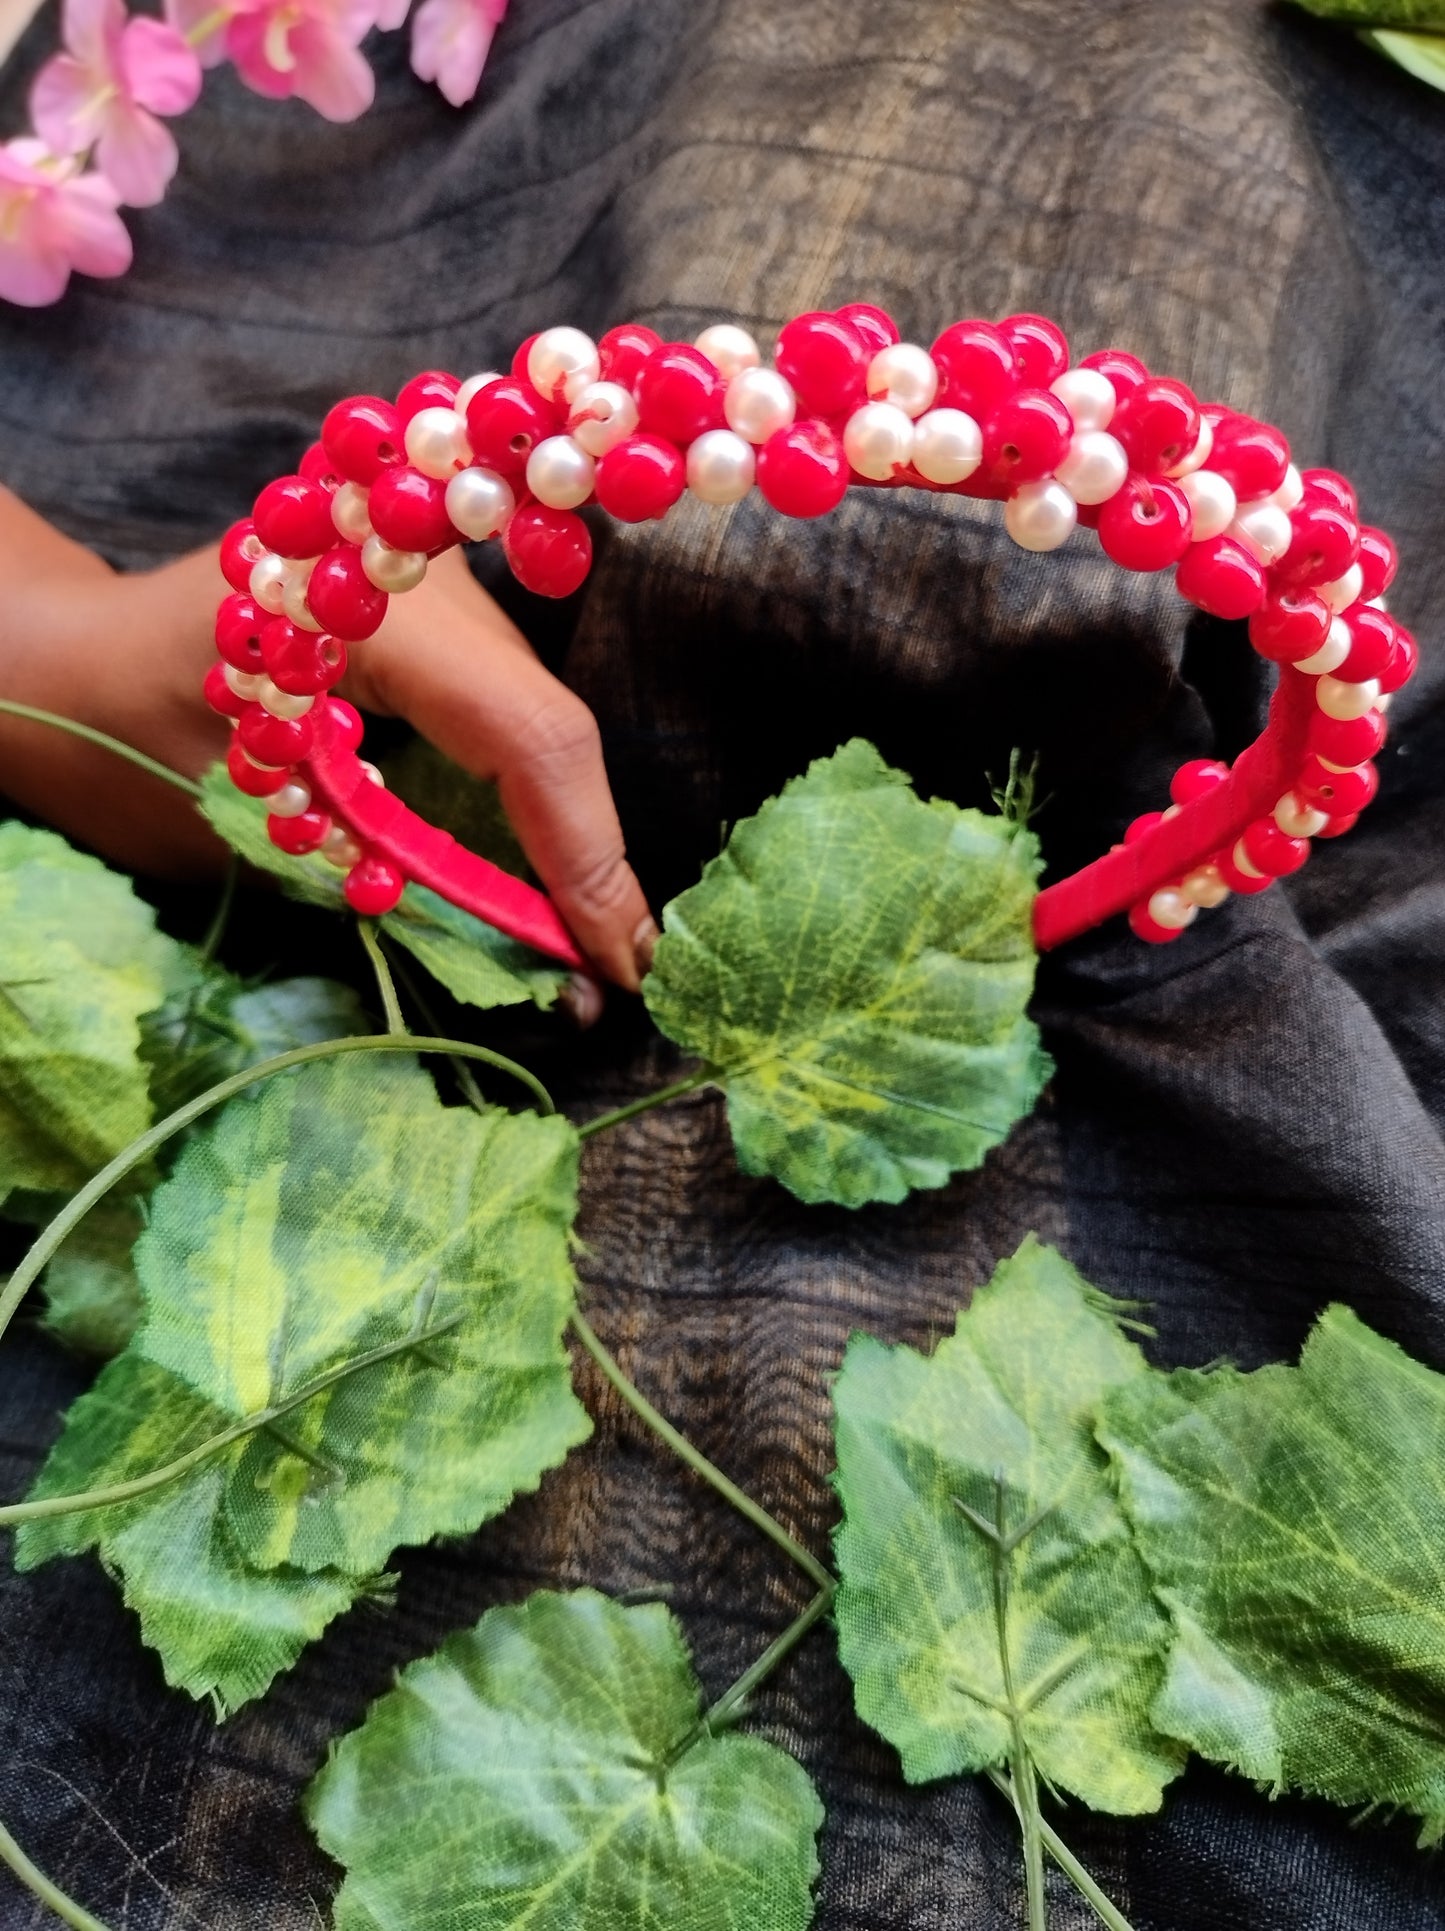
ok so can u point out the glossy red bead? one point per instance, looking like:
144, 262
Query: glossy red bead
1041, 349
1149, 929
550, 551
1372, 644
219, 695
802, 470
1158, 423
1141, 826
1291, 625
241, 550
363, 436
1146, 525
679, 393
1378, 560
317, 467
622, 351
342, 599
1195, 779
1025, 437
826, 361
1325, 543
1251, 456
1335, 488
373, 887
1243, 882
293, 517
1346, 740
640, 478
344, 721
1337, 792
1337, 827
249, 777
303, 663
505, 422
299, 835
432, 389
1273, 851
523, 354
1401, 667
239, 623
1221, 577
875, 326
409, 511
274, 740
977, 369
1125, 371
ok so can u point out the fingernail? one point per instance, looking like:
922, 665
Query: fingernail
643, 940
581, 1000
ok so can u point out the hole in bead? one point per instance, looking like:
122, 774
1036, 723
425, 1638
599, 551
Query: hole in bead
520, 445
388, 453
1010, 453
1175, 453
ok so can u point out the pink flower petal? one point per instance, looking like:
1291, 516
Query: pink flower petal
62, 105
161, 71
450, 40
91, 30
391, 13
96, 238
330, 74
137, 154
32, 277
246, 43
185, 16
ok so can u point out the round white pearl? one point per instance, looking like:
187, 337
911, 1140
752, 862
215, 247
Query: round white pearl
1204, 886
1331, 653
1296, 819
1170, 908
290, 801
904, 375
602, 415
473, 386
1384, 701
1094, 466
729, 349
560, 473
1376, 603
370, 772
1345, 590
1264, 529
350, 512
391, 570
1336, 698
1242, 862
479, 502
268, 583
1198, 456
1040, 516
1212, 500
1088, 396
947, 445
758, 402
562, 361
878, 440
339, 848
293, 600
245, 683
437, 443
720, 466
1290, 490
281, 703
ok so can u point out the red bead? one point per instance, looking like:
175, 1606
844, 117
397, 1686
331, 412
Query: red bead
239, 623
825, 360
550, 551
1150, 930
1346, 740
976, 368
1146, 525
345, 721
1194, 779
363, 436
1273, 851
241, 550
1158, 423
274, 740
432, 389
1291, 626
1125, 371
1238, 881
1372, 644
1221, 577
679, 393
1025, 437
303, 663
293, 517
505, 422
409, 511
1378, 561
1325, 543
250, 778
1141, 826
623, 350
1251, 456
317, 467
875, 326
219, 695
640, 478
300, 835
1337, 792
342, 599
1337, 827
1401, 667
1337, 489
522, 356
802, 470
1041, 349
373, 887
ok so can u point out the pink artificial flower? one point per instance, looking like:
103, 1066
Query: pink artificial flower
307, 48
54, 219
449, 43
106, 89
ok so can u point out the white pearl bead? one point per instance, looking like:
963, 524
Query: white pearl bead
350, 512
904, 375
759, 402
473, 386
245, 683
1264, 529
1331, 653
720, 467
1290, 490
1242, 862
729, 349
1336, 698
391, 570
1094, 467
562, 361
1204, 886
369, 771
602, 415
947, 445
293, 599
1212, 500
479, 502
1345, 590
1376, 603
281, 703
560, 473
1296, 819
1384, 701
1040, 516
437, 443
339, 848
878, 440
1088, 396
290, 801
268, 583
1170, 908
1198, 456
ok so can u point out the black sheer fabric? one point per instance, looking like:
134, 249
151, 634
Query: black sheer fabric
1243, 1127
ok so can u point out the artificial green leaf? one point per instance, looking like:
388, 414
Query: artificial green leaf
222, 1630
1010, 1392
241, 822
341, 1210
1421, 15
855, 967
1294, 1522
519, 1778
1422, 55
90, 1292
80, 961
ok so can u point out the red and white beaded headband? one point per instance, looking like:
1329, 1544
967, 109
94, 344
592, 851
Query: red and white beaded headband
630, 422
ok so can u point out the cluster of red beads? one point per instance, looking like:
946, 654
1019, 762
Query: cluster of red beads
632, 422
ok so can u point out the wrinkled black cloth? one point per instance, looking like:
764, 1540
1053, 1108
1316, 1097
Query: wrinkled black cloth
1243, 1127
